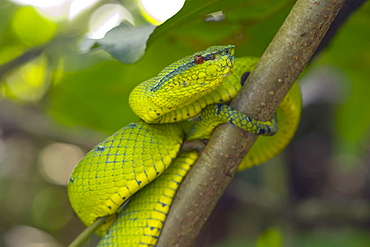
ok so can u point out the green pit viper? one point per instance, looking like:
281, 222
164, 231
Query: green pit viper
141, 162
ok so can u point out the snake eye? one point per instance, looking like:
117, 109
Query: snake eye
198, 59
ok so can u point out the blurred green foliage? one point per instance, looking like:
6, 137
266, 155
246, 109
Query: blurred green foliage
32, 29
270, 238
350, 53
57, 89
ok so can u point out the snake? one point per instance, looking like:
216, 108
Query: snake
133, 175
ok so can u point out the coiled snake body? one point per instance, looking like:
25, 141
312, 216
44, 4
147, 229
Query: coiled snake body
145, 153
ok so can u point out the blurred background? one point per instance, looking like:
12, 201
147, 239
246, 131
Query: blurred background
65, 76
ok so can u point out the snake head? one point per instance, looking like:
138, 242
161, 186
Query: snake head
182, 82
196, 70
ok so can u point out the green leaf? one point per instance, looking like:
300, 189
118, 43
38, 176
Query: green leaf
194, 24
96, 97
193, 19
125, 42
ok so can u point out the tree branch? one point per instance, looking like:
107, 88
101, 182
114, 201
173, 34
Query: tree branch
279, 67
36, 123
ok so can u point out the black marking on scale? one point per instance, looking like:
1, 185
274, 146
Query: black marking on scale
131, 126
262, 131
219, 108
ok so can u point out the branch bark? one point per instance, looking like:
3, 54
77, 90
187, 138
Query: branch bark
279, 67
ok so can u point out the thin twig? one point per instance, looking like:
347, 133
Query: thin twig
85, 234
21, 59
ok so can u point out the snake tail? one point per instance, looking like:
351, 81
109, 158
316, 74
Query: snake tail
214, 115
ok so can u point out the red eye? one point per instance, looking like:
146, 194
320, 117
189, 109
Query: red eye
198, 59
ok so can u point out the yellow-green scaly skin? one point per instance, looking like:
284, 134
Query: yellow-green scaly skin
137, 154
141, 221
121, 165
